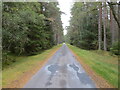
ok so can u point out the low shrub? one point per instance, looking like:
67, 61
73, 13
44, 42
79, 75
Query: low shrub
115, 49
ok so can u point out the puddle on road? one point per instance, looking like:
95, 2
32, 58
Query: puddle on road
53, 68
74, 67
83, 77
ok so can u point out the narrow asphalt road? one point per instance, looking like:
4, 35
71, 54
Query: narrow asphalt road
61, 71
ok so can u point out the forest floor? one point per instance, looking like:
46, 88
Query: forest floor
19, 72
100, 65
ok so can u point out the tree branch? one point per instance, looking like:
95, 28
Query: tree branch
113, 11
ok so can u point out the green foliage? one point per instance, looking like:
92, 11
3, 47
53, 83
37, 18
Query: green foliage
101, 62
53, 13
82, 31
27, 29
115, 49
7, 59
14, 71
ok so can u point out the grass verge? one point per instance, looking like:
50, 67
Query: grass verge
18, 73
102, 64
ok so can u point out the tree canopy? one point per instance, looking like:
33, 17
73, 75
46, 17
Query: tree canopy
93, 26
30, 27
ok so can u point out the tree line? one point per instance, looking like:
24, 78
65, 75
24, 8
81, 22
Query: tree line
95, 25
29, 28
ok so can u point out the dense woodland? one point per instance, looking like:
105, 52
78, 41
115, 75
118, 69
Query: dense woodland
29, 28
95, 26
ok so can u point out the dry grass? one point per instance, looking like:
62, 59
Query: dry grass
102, 68
17, 74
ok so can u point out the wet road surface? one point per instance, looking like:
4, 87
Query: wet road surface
61, 71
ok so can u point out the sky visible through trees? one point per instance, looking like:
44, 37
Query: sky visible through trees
31, 28
91, 25
65, 6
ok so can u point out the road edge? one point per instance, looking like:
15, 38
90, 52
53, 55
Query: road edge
19, 83
97, 79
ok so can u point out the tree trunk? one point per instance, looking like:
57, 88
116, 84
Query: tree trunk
113, 12
100, 27
105, 25
119, 22
111, 27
